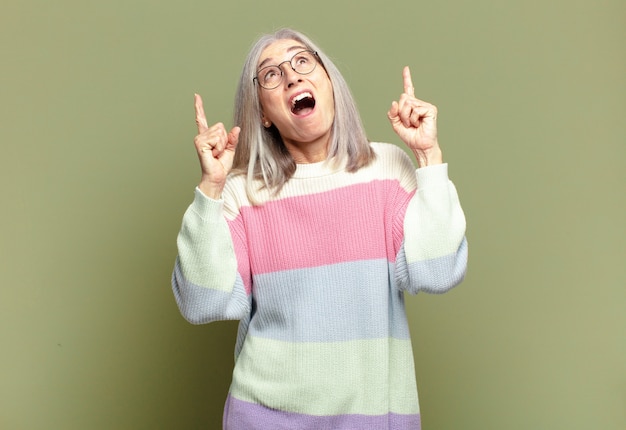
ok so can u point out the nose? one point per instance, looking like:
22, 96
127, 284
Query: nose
290, 76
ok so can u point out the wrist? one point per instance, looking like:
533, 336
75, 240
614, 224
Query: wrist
429, 156
211, 189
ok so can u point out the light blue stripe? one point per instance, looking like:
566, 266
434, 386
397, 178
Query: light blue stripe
201, 305
437, 275
340, 302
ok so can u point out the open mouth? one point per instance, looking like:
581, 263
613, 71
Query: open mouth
302, 103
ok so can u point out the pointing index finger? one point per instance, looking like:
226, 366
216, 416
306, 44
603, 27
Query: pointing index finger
200, 116
408, 83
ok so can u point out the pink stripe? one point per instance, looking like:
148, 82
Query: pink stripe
237, 234
347, 224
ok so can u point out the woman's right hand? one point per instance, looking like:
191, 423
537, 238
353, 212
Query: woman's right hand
216, 149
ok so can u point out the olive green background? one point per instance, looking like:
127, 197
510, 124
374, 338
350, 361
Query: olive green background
97, 167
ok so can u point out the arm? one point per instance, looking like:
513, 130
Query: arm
206, 282
433, 256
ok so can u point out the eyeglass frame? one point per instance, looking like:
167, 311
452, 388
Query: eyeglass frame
282, 74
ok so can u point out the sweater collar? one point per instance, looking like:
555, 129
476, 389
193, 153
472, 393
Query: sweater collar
315, 170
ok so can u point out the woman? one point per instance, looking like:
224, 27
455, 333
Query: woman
310, 235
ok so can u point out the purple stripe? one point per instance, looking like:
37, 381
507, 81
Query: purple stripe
240, 415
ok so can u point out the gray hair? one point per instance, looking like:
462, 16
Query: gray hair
261, 154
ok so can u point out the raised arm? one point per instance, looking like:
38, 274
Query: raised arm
206, 281
434, 253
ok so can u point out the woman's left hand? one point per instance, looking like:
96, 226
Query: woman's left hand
415, 122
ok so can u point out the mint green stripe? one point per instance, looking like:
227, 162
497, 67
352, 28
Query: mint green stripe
353, 377
204, 239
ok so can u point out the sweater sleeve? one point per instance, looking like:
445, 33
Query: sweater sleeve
433, 255
205, 281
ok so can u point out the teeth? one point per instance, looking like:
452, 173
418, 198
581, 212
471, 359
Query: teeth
299, 97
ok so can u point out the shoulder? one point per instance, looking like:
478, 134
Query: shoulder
392, 162
390, 153
234, 195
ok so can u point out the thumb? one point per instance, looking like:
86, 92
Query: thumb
233, 138
392, 114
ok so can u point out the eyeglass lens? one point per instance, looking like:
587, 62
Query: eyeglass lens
303, 62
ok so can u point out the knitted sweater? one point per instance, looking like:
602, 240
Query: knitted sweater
316, 276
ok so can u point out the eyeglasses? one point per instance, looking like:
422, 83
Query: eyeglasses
302, 62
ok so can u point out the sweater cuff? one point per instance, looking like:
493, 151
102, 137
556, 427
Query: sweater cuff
207, 208
436, 174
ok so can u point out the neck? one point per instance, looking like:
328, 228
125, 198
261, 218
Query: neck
309, 152
308, 157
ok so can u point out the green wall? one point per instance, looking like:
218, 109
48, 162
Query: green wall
97, 166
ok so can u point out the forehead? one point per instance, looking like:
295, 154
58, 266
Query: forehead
278, 51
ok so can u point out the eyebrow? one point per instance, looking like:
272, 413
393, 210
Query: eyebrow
291, 48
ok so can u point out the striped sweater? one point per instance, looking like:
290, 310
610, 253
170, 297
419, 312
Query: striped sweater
316, 276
